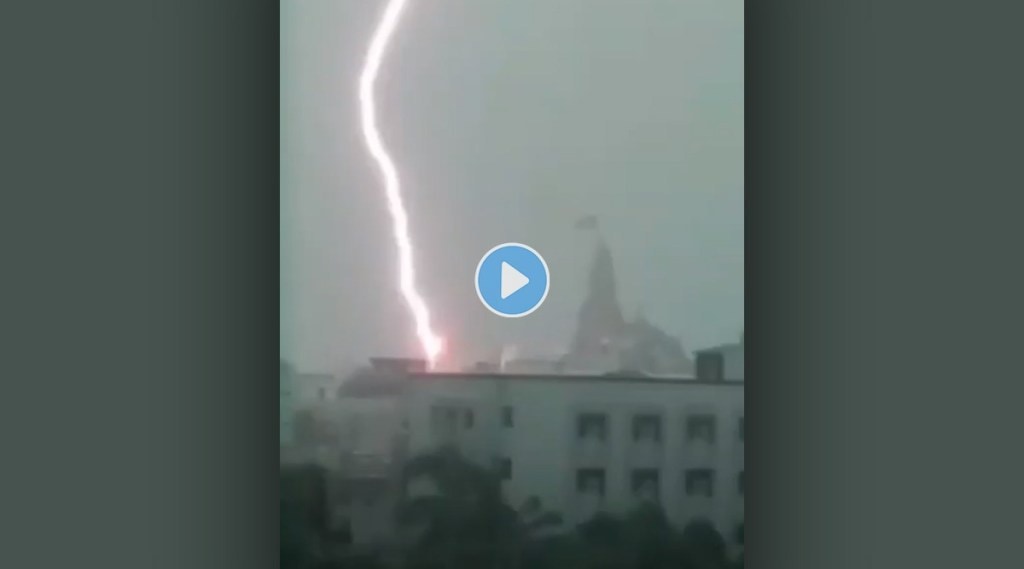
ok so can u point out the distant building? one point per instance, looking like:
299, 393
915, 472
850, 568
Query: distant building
307, 433
311, 389
600, 324
604, 341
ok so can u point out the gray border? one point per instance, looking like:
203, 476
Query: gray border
140, 273
140, 284
883, 284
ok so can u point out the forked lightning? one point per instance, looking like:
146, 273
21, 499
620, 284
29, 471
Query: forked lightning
431, 343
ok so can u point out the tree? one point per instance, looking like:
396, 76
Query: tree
458, 522
642, 539
704, 546
303, 515
738, 564
464, 521
308, 540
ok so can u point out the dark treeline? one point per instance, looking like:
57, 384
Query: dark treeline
467, 524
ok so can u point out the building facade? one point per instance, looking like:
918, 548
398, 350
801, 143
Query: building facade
581, 444
589, 444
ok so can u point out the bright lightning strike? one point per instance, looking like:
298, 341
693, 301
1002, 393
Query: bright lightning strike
431, 342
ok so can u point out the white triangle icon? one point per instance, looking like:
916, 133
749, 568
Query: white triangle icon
511, 280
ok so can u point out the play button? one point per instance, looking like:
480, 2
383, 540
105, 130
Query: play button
512, 280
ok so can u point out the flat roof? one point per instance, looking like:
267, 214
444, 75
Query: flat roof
721, 348
614, 377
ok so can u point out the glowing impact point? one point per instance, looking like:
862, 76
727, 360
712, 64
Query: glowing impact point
432, 343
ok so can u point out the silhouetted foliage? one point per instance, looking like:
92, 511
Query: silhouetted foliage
704, 545
463, 521
308, 541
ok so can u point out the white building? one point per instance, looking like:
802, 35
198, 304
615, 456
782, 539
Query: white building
310, 389
584, 444
580, 443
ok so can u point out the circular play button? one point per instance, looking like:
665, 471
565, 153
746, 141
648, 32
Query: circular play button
512, 280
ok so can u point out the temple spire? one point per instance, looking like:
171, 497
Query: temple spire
600, 320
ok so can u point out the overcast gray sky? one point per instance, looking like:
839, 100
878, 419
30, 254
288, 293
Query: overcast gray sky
509, 120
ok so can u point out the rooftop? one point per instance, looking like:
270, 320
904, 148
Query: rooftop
619, 377
721, 348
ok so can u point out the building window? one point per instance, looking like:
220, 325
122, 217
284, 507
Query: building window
647, 429
590, 481
646, 484
468, 418
710, 366
592, 427
700, 428
505, 468
700, 482
508, 418
739, 482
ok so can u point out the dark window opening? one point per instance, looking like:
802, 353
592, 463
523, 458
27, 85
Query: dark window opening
700, 428
646, 484
647, 428
700, 482
590, 481
508, 418
592, 426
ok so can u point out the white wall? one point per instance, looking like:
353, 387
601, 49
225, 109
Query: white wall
546, 452
367, 425
313, 388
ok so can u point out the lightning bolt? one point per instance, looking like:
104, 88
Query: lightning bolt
430, 342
